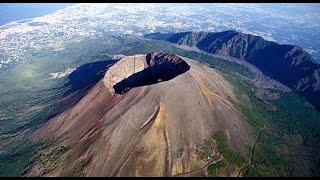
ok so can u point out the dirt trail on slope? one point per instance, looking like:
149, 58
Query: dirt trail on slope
251, 162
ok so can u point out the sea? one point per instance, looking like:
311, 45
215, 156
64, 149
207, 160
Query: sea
19, 11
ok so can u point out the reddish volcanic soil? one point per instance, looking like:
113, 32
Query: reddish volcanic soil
140, 131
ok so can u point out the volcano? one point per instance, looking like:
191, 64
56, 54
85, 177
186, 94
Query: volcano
147, 116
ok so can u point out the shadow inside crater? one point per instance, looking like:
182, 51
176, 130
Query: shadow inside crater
163, 71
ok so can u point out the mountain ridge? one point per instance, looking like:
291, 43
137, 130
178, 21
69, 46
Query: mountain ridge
288, 64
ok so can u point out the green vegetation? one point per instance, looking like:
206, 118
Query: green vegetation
213, 168
265, 156
28, 98
299, 122
293, 117
258, 113
57, 152
17, 150
179, 152
204, 150
255, 111
14, 162
231, 157
52, 155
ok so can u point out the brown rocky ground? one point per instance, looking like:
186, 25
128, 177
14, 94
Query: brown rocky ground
150, 130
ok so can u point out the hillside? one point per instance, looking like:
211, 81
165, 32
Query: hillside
288, 146
162, 126
288, 64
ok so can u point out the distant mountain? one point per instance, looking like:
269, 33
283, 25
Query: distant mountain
288, 64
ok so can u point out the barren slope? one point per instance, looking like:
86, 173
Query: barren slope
150, 128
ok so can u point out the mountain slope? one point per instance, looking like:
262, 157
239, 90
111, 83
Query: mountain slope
288, 64
148, 130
